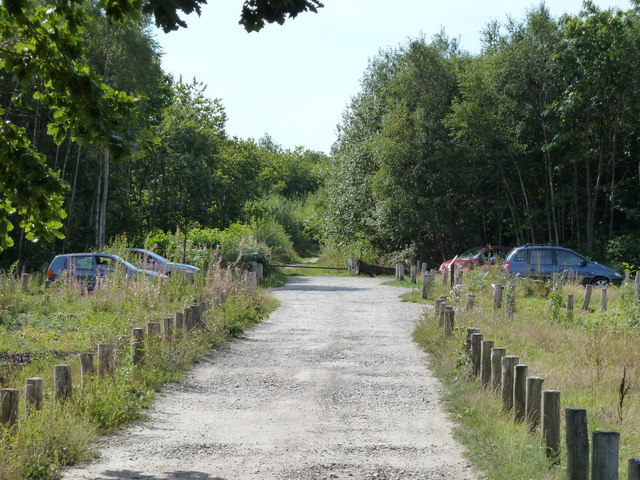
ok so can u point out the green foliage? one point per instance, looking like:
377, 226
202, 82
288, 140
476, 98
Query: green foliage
625, 250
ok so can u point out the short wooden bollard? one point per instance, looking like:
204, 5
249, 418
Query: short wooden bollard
506, 382
179, 321
195, 316
137, 346
485, 362
34, 391
445, 276
154, 331
167, 326
87, 366
496, 367
427, 282
587, 297
441, 304
476, 345
467, 341
62, 382
551, 424
603, 299
634, 469
511, 299
604, 462
470, 301
577, 444
413, 274
106, 363
9, 398
449, 321
260, 272
570, 307
520, 391
188, 322
497, 296
534, 401
24, 283
418, 265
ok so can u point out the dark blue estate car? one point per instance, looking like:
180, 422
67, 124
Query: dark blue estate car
545, 261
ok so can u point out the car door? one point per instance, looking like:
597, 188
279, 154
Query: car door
541, 262
573, 265
82, 268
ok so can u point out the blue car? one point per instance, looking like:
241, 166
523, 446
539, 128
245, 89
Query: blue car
546, 261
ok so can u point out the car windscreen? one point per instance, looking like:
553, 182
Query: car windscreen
471, 253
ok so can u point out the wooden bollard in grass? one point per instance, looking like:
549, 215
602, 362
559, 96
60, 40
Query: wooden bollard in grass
167, 327
577, 440
137, 346
506, 380
106, 361
9, 398
534, 402
634, 469
587, 297
449, 321
418, 265
62, 382
24, 282
604, 461
551, 424
87, 366
467, 341
34, 392
476, 345
603, 299
511, 299
436, 308
520, 392
179, 321
445, 276
497, 296
196, 318
188, 324
470, 302
485, 362
496, 367
413, 274
427, 282
570, 307
154, 331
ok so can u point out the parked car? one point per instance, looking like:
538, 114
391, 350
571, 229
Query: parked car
545, 261
488, 254
152, 261
88, 267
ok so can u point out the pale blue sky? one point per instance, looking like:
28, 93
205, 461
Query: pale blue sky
294, 81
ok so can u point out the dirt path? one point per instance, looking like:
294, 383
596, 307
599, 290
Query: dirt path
330, 386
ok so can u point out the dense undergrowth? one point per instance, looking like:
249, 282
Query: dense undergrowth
591, 357
47, 327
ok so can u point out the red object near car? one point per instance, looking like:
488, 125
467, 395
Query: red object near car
477, 256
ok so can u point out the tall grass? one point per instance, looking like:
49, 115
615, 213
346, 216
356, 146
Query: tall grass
585, 357
51, 326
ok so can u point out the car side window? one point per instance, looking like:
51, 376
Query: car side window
82, 263
568, 259
540, 257
520, 256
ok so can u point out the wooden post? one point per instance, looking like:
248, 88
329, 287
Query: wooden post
63, 386
86, 366
24, 282
534, 401
508, 365
452, 274
400, 272
427, 282
179, 318
34, 390
485, 362
570, 307
168, 329
603, 299
496, 367
195, 316
9, 398
587, 297
154, 331
520, 392
634, 469
577, 444
471, 300
497, 296
470, 331
441, 309
449, 321
106, 364
511, 299
476, 345
551, 424
418, 265
188, 321
445, 276
137, 346
260, 272
413, 274
604, 463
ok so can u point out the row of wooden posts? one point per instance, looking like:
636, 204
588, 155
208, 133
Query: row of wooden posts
539, 409
109, 355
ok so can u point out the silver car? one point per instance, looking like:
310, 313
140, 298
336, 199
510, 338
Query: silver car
152, 261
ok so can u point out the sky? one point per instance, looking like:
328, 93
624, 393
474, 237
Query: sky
294, 81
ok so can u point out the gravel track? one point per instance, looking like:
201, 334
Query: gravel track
330, 386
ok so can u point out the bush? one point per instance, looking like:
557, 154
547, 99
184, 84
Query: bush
625, 250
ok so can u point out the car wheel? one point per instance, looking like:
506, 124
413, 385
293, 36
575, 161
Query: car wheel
600, 282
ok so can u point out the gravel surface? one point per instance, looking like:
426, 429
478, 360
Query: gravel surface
330, 386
